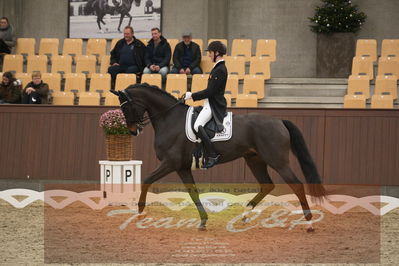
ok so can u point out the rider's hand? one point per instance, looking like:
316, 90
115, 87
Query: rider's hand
187, 96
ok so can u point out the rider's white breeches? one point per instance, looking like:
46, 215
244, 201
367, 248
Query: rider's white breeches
204, 116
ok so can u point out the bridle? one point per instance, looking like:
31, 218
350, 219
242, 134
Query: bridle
145, 120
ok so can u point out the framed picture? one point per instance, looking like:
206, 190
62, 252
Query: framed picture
107, 18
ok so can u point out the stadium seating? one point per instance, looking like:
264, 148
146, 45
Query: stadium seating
242, 47
206, 64
260, 65
63, 98
367, 48
390, 48
235, 65
124, 80
232, 85
200, 42
354, 101
49, 46
110, 99
363, 66
198, 83
72, 47
113, 43
386, 84
254, 83
37, 63
382, 101
13, 63
61, 64
176, 84
26, 46
359, 84
86, 64
100, 81
75, 81
89, 98
266, 48
96, 47
388, 66
104, 63
53, 80
152, 79
247, 100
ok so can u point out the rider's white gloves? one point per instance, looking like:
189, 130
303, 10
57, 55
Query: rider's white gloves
187, 96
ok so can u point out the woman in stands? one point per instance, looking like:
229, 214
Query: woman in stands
36, 91
10, 89
215, 104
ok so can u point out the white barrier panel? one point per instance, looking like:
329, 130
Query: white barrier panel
120, 178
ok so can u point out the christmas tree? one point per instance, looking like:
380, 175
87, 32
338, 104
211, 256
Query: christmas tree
337, 16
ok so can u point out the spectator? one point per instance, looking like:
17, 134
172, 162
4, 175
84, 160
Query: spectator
158, 54
127, 55
10, 89
187, 56
36, 91
7, 38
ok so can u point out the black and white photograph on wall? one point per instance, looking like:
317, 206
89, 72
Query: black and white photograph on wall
107, 18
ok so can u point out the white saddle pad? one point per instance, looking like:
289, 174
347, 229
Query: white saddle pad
222, 136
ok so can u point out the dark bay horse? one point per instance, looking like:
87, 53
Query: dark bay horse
101, 8
262, 141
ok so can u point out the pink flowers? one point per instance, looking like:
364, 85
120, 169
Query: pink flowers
113, 122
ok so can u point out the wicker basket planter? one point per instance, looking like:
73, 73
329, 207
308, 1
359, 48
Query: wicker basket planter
119, 147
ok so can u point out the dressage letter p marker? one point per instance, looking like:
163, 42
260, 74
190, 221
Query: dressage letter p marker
107, 175
128, 174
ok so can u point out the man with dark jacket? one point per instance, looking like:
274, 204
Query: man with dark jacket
10, 89
157, 55
186, 57
215, 104
127, 55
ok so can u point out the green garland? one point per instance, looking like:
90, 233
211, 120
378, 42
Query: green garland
337, 16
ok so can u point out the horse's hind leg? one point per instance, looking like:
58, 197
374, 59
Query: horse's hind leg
187, 177
259, 170
296, 185
130, 18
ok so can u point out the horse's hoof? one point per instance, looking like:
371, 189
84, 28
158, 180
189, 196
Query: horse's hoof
202, 228
310, 230
141, 215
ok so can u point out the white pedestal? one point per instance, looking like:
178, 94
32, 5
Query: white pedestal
120, 180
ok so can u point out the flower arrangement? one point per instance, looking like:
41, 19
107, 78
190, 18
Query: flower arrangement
337, 16
113, 122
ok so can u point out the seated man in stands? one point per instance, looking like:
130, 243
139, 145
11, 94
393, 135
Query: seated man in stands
10, 89
7, 38
187, 56
158, 54
36, 91
127, 55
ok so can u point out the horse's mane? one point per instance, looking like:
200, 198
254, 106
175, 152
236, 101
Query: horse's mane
154, 89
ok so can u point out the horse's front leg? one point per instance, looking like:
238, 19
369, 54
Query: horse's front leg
188, 180
160, 172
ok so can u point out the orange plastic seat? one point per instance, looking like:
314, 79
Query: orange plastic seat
354, 101
266, 48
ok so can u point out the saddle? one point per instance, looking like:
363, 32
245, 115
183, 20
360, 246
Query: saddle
211, 128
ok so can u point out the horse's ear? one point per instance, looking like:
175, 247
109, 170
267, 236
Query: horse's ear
117, 93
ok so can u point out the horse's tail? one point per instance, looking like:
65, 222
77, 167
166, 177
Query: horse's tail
300, 150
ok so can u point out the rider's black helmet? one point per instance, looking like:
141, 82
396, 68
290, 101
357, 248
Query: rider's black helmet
217, 46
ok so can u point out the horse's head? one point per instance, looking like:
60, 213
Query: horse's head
133, 112
137, 2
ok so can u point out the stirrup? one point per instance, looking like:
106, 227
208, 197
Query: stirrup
211, 161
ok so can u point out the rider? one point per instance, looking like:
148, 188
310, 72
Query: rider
215, 104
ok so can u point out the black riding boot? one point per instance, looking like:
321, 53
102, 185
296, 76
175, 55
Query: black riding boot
213, 156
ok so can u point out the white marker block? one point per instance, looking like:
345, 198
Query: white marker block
120, 177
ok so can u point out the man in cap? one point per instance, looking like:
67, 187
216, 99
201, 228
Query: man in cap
215, 104
187, 56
